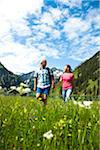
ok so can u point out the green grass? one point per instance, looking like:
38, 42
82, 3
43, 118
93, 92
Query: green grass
23, 121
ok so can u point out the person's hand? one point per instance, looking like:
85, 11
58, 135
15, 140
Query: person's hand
34, 89
53, 86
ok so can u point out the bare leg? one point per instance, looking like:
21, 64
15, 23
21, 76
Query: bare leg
38, 95
45, 99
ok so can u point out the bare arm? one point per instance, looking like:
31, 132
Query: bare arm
52, 82
60, 80
35, 84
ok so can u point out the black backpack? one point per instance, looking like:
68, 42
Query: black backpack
50, 77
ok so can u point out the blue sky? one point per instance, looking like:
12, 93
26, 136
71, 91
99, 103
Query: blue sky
63, 31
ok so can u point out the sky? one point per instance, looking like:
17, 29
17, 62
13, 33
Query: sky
62, 31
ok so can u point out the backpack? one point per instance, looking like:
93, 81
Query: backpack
50, 77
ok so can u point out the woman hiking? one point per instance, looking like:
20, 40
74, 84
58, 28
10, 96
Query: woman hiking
67, 82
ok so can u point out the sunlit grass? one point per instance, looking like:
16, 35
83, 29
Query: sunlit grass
26, 124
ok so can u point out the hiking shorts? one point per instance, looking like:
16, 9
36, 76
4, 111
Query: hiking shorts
43, 91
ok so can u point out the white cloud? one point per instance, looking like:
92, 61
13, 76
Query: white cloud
15, 9
13, 14
23, 57
83, 44
20, 56
12, 19
75, 26
71, 3
47, 19
56, 33
21, 28
48, 51
56, 13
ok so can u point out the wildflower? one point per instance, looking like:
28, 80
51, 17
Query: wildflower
80, 104
61, 127
75, 102
65, 116
87, 103
33, 127
84, 104
48, 135
16, 138
5, 120
79, 131
55, 127
35, 119
40, 99
61, 121
98, 122
21, 139
38, 145
70, 121
25, 110
88, 107
89, 125
43, 119
69, 135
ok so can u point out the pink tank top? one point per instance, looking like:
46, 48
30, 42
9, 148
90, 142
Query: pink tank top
67, 79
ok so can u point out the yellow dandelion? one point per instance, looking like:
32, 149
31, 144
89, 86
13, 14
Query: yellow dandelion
69, 135
43, 119
25, 110
38, 145
98, 122
40, 99
62, 121
36, 119
79, 131
21, 139
55, 127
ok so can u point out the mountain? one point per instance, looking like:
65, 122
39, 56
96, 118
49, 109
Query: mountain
87, 76
7, 78
28, 78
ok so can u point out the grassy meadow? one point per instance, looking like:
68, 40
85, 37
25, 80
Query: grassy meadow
25, 124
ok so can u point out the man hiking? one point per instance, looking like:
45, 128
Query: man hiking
43, 80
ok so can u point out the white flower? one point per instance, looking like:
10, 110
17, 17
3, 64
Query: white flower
87, 103
33, 127
80, 104
48, 135
75, 102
